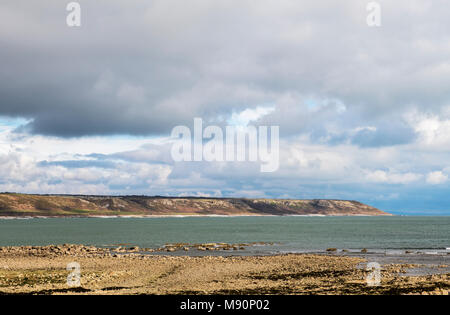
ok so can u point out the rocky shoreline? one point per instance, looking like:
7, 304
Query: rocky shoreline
132, 270
120, 250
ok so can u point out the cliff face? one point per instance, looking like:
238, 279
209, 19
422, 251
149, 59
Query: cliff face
71, 205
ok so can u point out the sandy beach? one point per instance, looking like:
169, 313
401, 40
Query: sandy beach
42, 270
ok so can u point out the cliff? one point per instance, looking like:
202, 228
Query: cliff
12, 204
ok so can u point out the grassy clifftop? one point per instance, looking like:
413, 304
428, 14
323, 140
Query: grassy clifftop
73, 205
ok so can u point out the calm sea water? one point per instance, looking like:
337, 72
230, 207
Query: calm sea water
294, 234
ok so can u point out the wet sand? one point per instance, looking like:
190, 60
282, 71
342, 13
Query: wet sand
42, 270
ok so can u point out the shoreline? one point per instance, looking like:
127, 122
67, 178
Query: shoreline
42, 270
27, 217
422, 258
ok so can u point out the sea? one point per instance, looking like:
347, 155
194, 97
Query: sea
273, 234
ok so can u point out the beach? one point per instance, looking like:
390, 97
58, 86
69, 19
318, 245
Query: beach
43, 270
225, 255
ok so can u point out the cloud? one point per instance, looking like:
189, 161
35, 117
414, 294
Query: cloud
379, 176
307, 170
436, 178
135, 69
78, 164
248, 115
386, 134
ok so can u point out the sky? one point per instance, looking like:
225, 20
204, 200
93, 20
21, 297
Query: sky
363, 112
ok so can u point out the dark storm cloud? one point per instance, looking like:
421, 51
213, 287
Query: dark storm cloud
145, 66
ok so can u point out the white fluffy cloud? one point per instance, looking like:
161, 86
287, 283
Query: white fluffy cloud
436, 178
392, 177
